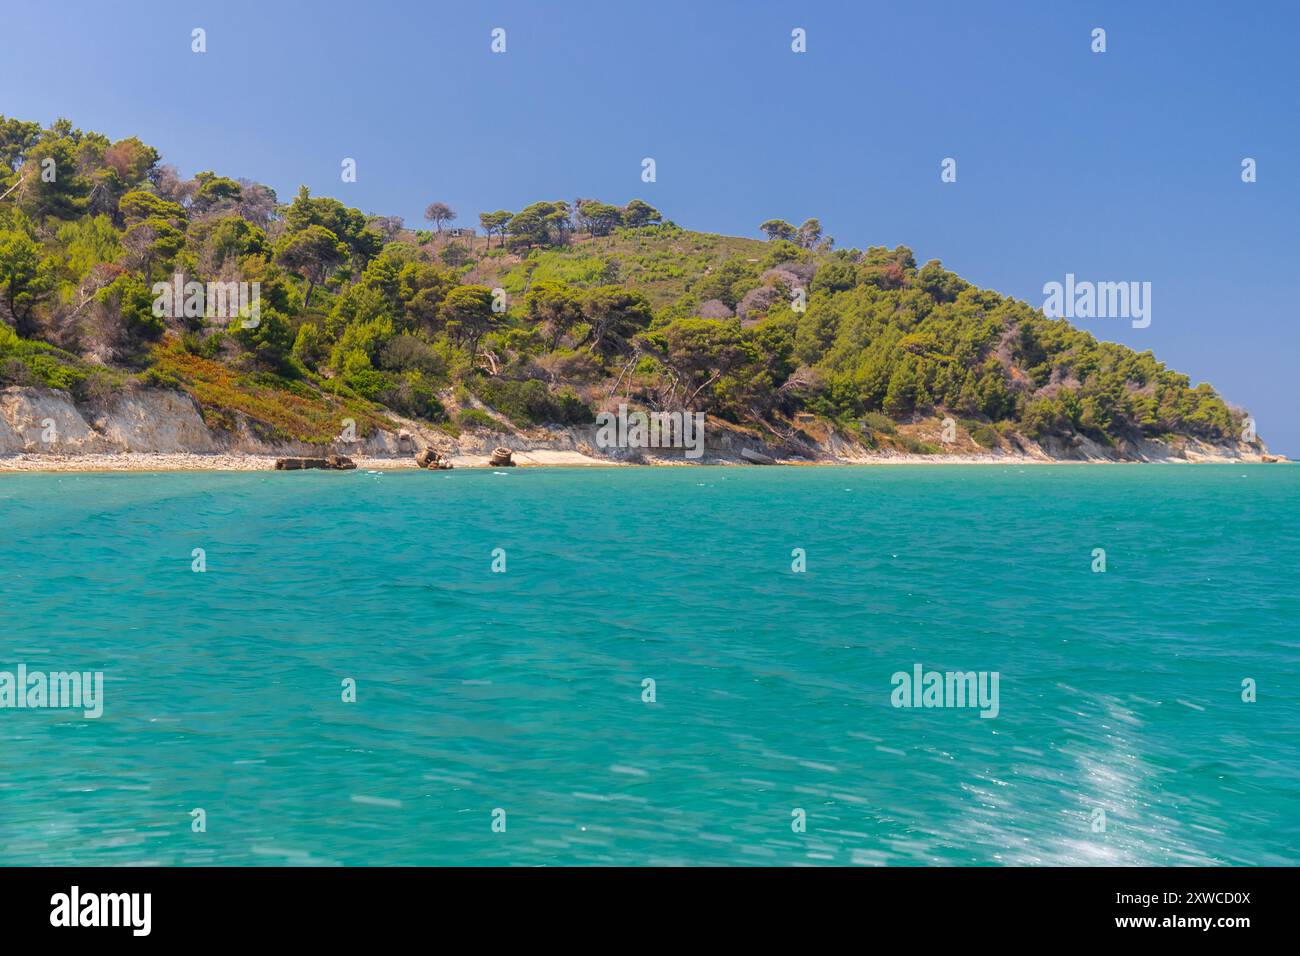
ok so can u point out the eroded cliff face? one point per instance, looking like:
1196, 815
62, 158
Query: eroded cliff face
150, 421
44, 421
728, 444
155, 421
38, 421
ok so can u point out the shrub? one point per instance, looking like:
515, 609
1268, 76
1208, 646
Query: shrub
879, 422
157, 378
412, 394
209, 346
530, 403
23, 362
98, 386
477, 418
914, 446
981, 433
412, 352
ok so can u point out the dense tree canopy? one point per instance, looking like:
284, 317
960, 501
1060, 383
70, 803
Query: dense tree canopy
571, 307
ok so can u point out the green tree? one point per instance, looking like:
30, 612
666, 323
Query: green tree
214, 191
714, 364
421, 289
907, 390
308, 348
554, 306
312, 253
27, 275
495, 222
541, 224
601, 218
16, 138
467, 313
809, 233
348, 225
614, 315
269, 342
86, 243
130, 301
53, 184
139, 205
232, 237
887, 268
778, 229
152, 242
639, 213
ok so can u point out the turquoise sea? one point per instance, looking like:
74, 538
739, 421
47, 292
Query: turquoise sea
522, 691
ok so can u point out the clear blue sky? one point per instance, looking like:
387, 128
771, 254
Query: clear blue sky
1116, 166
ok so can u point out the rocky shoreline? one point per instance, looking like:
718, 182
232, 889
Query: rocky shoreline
161, 430
146, 462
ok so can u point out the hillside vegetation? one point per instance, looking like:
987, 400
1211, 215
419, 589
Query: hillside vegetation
551, 314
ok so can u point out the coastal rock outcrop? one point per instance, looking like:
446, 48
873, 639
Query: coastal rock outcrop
156, 421
46, 421
329, 462
40, 423
428, 458
151, 421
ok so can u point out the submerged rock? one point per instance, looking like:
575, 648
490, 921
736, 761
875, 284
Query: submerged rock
756, 458
329, 462
428, 458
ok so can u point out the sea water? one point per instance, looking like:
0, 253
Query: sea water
653, 666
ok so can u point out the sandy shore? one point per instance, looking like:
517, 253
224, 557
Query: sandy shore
125, 461
539, 458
